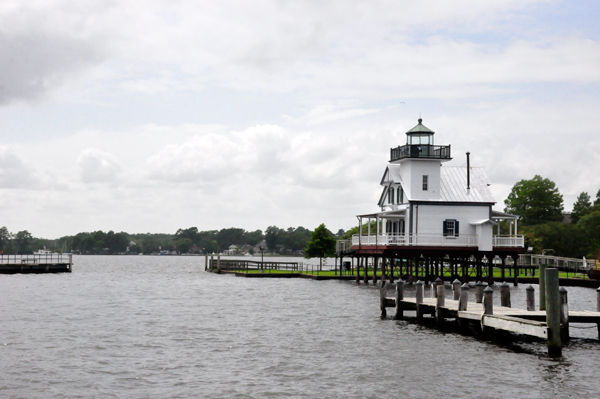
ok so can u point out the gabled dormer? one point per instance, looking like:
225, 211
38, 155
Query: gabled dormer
393, 193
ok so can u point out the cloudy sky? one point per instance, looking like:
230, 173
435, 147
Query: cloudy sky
148, 115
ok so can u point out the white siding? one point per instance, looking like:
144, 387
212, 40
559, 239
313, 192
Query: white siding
431, 217
484, 233
412, 174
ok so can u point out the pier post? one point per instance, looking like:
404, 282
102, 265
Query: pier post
505, 295
219, 263
205, 262
441, 302
456, 289
564, 315
358, 271
382, 292
488, 309
516, 270
212, 262
598, 300
479, 287
375, 265
530, 291
365, 270
553, 312
543, 267
70, 262
438, 281
399, 299
432, 290
464, 297
419, 298
462, 306
488, 300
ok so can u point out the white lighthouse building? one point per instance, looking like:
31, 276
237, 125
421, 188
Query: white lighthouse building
431, 211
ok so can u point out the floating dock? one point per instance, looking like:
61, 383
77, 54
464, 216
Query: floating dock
551, 322
45, 263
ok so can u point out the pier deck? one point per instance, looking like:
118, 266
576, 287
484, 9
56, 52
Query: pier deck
46, 263
551, 322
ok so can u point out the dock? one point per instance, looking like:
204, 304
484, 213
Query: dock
550, 323
45, 263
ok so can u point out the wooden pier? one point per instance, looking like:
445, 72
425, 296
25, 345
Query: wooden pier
45, 263
551, 322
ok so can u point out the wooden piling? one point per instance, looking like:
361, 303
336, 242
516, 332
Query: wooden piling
205, 262
419, 298
564, 315
543, 268
479, 287
530, 292
464, 297
212, 262
456, 289
440, 303
505, 295
488, 301
399, 299
365, 270
438, 281
553, 312
382, 292
598, 300
219, 263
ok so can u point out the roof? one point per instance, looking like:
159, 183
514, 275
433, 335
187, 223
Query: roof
391, 175
420, 128
502, 215
453, 185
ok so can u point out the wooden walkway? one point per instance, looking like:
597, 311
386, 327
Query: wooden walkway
26, 264
551, 324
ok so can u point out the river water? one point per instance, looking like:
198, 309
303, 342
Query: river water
161, 327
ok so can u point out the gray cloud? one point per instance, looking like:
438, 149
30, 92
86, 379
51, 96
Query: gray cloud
14, 173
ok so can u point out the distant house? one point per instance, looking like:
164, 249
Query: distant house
233, 250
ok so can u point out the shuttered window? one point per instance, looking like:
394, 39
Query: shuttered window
450, 228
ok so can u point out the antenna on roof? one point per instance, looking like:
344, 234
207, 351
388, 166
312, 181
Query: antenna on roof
468, 172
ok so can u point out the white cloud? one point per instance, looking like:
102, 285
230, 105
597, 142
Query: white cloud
96, 166
14, 171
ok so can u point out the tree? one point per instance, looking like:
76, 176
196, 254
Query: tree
273, 236
537, 201
23, 239
321, 244
5, 237
597, 201
581, 207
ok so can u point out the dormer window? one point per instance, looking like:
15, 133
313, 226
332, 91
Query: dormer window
425, 181
391, 195
400, 195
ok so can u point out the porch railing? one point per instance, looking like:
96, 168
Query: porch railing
508, 241
463, 240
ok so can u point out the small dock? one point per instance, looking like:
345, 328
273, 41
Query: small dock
45, 263
550, 323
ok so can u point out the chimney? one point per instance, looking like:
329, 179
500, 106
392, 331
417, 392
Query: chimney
468, 172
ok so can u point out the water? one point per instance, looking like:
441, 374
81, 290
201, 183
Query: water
142, 326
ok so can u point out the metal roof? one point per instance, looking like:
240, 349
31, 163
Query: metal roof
453, 185
420, 128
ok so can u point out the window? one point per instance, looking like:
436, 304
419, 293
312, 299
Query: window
425, 179
391, 195
450, 227
400, 196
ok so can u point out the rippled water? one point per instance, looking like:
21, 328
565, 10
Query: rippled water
141, 326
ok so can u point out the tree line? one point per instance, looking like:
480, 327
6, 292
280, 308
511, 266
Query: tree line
292, 240
546, 227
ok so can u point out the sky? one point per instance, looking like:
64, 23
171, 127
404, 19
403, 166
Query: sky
150, 116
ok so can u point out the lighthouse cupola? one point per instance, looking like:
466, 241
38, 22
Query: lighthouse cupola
419, 144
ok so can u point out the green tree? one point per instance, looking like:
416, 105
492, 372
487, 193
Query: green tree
183, 245
590, 227
597, 201
321, 244
273, 237
581, 207
5, 237
536, 201
23, 240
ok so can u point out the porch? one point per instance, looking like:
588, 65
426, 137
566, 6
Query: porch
427, 240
